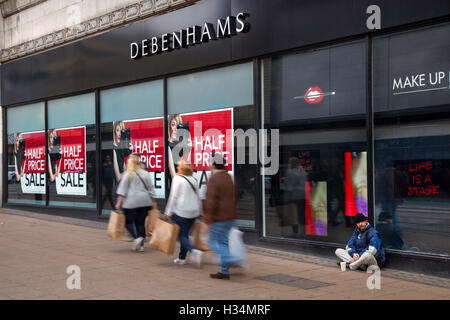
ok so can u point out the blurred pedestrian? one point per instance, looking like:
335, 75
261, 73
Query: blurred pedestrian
108, 180
183, 207
135, 196
220, 213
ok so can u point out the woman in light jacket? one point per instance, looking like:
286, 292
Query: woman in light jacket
135, 196
183, 207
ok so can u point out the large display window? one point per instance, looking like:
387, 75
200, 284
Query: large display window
316, 100
72, 151
26, 154
205, 109
412, 140
132, 121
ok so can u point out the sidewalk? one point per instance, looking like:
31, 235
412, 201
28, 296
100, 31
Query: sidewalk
36, 250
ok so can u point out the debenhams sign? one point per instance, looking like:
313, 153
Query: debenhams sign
228, 27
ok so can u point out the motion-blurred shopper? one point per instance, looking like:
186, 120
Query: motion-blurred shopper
183, 207
220, 212
135, 196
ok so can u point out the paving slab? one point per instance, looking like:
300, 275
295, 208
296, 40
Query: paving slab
37, 249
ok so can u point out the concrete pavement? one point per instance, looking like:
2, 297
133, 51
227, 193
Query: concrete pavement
36, 250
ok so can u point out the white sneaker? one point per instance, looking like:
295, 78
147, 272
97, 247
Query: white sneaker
136, 243
196, 257
141, 248
179, 261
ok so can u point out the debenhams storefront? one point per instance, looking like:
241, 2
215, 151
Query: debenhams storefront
358, 91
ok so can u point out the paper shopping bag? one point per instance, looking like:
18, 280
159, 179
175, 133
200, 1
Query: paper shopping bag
165, 236
116, 225
152, 217
200, 236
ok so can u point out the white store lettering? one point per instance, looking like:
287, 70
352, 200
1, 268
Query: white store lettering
192, 35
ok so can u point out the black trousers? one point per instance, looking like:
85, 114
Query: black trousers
135, 221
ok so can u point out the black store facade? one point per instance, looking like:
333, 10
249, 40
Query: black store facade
362, 117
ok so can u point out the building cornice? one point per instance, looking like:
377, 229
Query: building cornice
130, 13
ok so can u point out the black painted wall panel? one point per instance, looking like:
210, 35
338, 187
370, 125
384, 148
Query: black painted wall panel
275, 26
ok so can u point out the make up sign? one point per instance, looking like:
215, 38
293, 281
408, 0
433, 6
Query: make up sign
420, 82
193, 35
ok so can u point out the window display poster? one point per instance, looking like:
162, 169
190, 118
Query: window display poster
146, 138
29, 161
355, 183
316, 215
209, 132
67, 159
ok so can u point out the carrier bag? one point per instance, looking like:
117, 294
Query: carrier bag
200, 236
153, 215
116, 225
165, 236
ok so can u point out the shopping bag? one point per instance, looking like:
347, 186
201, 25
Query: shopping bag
287, 214
200, 236
237, 248
152, 217
164, 236
116, 225
238, 252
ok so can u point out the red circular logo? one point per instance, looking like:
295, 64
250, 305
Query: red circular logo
313, 95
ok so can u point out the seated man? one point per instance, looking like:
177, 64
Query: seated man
364, 248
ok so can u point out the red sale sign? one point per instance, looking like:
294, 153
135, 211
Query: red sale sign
33, 180
72, 176
34, 152
147, 139
210, 132
73, 152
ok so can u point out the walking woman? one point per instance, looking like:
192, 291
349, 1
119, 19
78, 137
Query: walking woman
135, 196
183, 207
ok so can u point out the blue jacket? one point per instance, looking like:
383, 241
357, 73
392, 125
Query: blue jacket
367, 240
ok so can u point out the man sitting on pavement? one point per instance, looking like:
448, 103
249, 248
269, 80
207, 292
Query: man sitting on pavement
364, 247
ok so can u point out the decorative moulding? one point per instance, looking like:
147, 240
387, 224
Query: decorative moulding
135, 11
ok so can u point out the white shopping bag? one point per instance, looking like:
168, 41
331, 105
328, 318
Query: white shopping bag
237, 249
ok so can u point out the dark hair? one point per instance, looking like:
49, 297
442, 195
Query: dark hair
217, 161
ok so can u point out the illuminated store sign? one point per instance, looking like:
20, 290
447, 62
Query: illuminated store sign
184, 38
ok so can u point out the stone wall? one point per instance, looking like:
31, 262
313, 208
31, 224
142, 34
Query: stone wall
48, 23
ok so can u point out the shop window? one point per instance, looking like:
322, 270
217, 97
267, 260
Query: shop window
221, 100
316, 100
412, 140
412, 167
26, 154
132, 121
71, 151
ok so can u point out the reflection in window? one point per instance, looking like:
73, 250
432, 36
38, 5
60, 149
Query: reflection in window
413, 189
